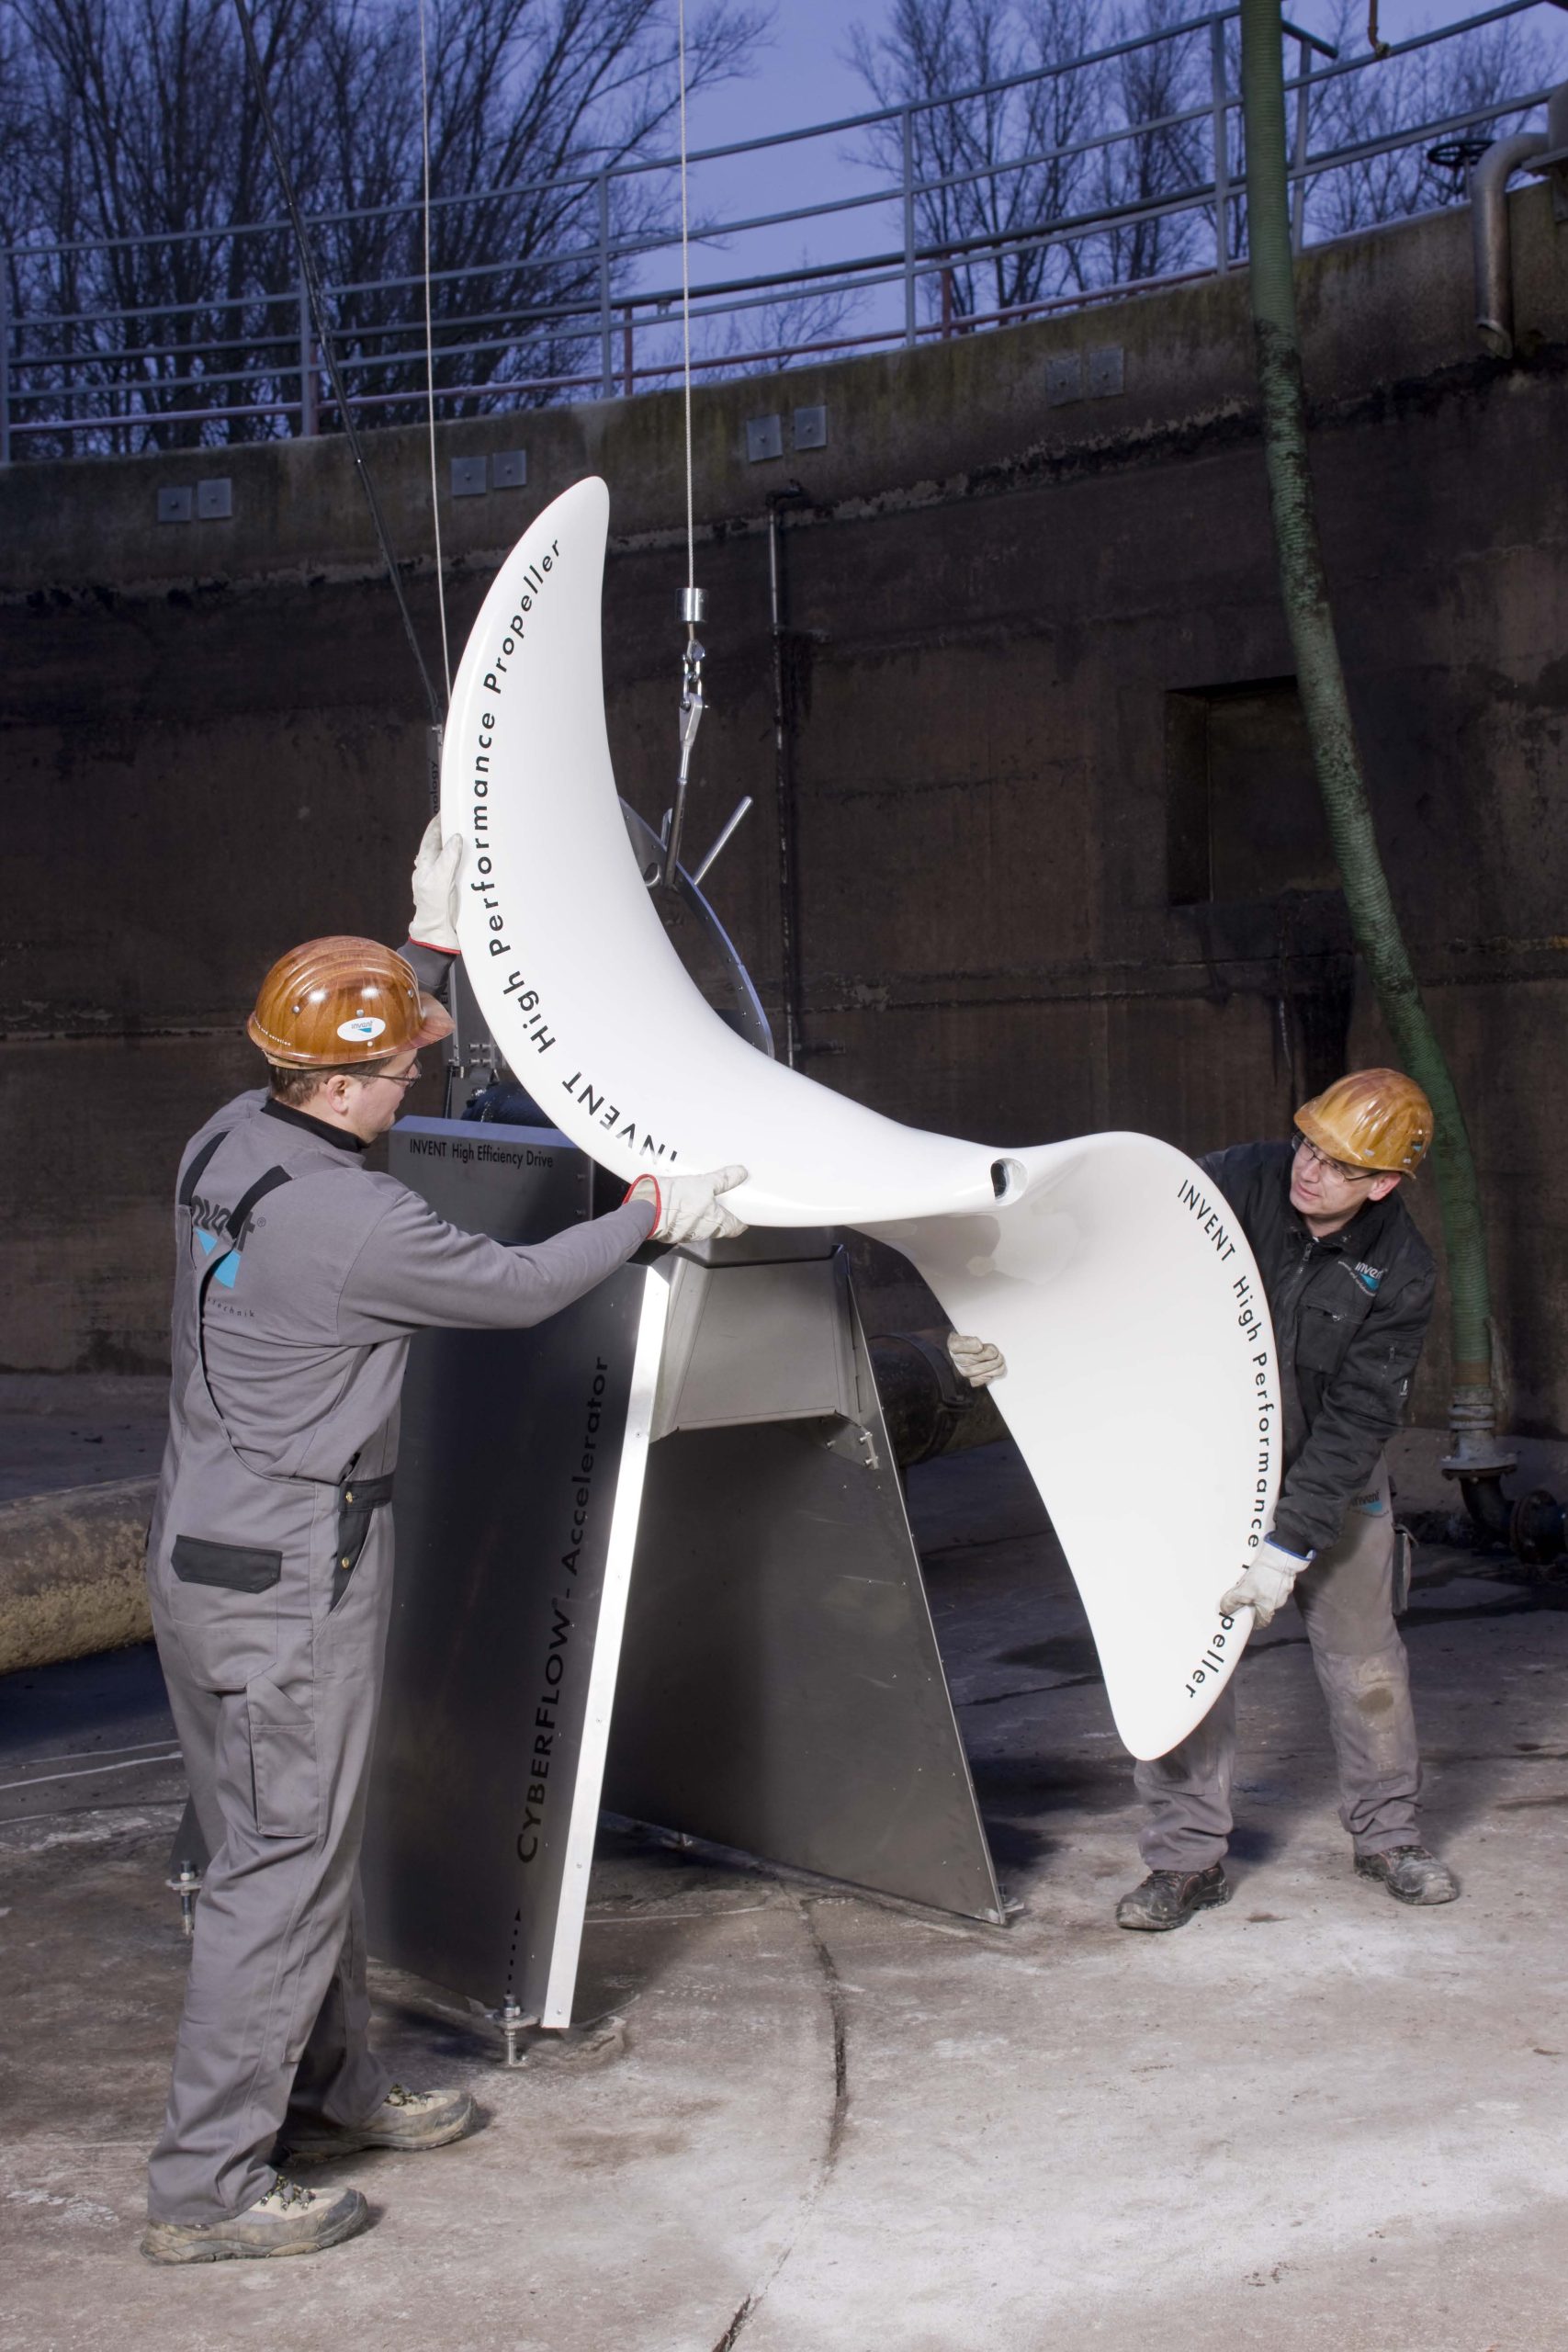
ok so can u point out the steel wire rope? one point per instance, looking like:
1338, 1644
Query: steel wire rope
329, 358
691, 703
685, 305
430, 350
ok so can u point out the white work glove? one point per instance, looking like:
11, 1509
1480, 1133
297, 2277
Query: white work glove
434, 922
976, 1360
687, 1208
1266, 1582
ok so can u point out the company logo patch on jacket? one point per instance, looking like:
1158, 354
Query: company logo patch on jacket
228, 1267
211, 1223
1367, 1277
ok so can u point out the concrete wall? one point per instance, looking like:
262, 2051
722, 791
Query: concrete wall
214, 745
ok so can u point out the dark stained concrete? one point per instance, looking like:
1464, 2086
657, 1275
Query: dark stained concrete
214, 745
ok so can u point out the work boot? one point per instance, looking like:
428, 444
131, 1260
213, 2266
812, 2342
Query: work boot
287, 2219
1410, 1873
1169, 1898
406, 2119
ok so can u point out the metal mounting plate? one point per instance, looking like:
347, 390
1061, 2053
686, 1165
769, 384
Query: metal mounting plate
765, 438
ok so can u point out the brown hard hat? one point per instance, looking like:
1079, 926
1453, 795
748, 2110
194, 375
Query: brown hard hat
1374, 1118
334, 1001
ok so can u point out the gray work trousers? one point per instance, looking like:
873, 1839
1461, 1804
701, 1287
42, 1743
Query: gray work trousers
276, 2012
1346, 1602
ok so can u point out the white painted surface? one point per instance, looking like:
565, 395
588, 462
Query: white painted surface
1110, 1275
588, 1787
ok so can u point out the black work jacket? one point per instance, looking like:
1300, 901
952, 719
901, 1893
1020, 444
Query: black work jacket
1349, 1316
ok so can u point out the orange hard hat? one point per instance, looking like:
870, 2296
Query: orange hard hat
1374, 1118
336, 1002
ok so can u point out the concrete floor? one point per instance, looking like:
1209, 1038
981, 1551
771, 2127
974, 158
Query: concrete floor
795, 2121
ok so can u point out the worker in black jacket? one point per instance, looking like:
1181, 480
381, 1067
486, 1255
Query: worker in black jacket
1350, 1282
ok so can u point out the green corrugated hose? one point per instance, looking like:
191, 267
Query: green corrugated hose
1320, 683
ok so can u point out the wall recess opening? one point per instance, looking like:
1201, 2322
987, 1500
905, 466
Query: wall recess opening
1244, 818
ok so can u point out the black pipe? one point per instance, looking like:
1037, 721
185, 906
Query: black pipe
1490, 1512
1535, 1528
1539, 1530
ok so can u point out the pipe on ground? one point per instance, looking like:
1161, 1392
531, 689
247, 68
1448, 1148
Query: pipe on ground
1534, 1528
71, 1578
73, 1581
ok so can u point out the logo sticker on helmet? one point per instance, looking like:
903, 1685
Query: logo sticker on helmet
361, 1029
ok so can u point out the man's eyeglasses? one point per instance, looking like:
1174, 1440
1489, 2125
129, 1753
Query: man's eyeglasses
1334, 1166
403, 1077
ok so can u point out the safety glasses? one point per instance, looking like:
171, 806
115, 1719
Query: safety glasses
1334, 1166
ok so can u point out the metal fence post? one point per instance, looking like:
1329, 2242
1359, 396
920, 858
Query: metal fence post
606, 346
1222, 144
310, 387
909, 226
4, 358
1298, 192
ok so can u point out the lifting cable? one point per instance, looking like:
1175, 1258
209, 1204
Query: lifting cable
430, 351
694, 601
329, 358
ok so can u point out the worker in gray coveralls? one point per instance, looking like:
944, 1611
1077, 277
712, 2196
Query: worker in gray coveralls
1350, 1284
299, 1279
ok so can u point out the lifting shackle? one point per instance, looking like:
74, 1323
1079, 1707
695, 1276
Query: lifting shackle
693, 608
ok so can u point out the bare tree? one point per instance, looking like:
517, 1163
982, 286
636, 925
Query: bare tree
139, 130
589, 85
1077, 180
754, 341
1014, 174
140, 124
1423, 87
995, 171
1151, 152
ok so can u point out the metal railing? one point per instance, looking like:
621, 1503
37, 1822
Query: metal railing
197, 363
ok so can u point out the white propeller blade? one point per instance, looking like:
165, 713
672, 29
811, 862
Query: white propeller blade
1141, 1381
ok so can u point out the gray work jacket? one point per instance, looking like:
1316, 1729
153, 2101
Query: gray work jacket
300, 1277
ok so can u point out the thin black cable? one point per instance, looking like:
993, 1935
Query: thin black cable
318, 313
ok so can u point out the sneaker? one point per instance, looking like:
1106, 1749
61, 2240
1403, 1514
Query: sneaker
1410, 1873
287, 2219
1169, 1898
406, 2119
